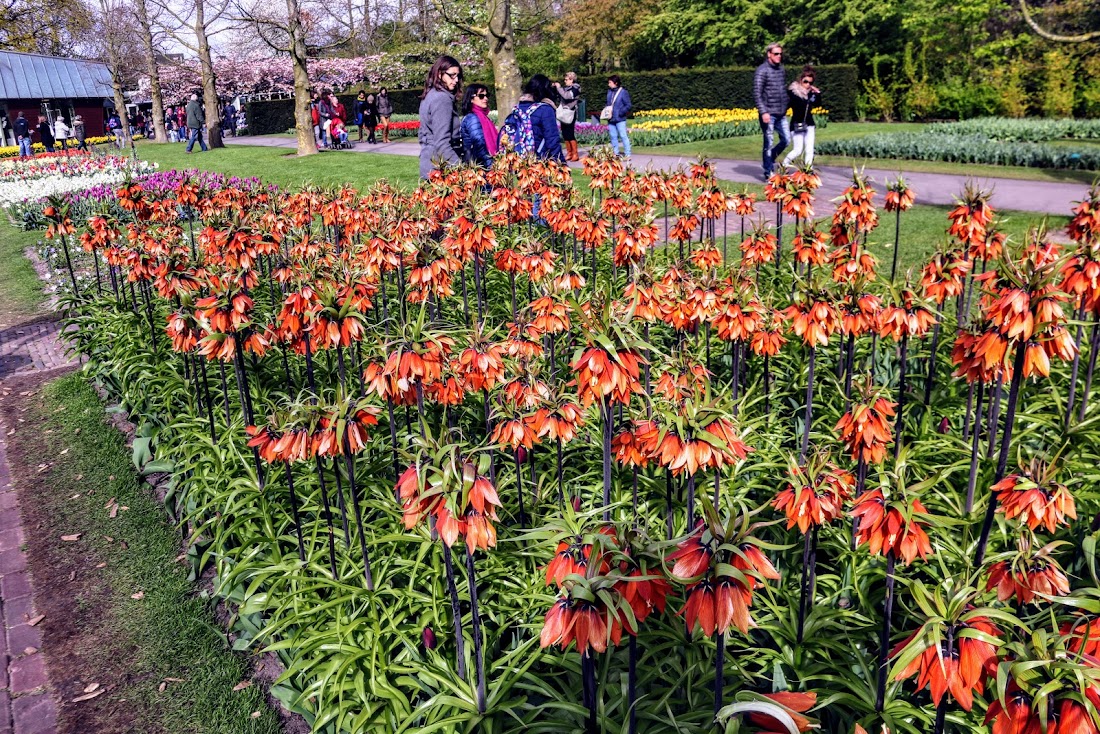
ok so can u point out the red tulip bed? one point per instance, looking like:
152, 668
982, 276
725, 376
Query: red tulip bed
498, 455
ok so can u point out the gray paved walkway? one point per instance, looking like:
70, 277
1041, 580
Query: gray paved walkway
1044, 197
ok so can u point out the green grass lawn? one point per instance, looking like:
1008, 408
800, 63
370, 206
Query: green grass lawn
152, 640
748, 148
280, 166
21, 294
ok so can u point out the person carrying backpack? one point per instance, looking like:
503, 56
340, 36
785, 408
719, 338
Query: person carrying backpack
532, 127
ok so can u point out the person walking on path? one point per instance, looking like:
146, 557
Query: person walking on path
615, 113
229, 118
196, 122
537, 113
570, 95
22, 130
45, 133
80, 133
803, 97
61, 133
385, 112
439, 135
769, 90
479, 134
368, 117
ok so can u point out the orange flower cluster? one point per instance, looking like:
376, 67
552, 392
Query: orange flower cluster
814, 320
971, 216
464, 505
899, 197
1035, 503
815, 495
944, 275
316, 435
721, 599
962, 670
601, 374
891, 529
865, 429
906, 318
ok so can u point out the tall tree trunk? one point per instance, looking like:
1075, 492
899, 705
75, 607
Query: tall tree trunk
209, 86
120, 102
502, 49
303, 121
146, 31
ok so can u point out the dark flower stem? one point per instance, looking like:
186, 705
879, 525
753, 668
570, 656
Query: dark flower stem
328, 515
931, 381
607, 419
1006, 440
809, 407
349, 464
804, 585
1076, 365
719, 675
456, 612
1094, 347
294, 510
475, 623
974, 452
884, 638
897, 240
899, 426
588, 687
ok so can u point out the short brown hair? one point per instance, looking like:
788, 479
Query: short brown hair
808, 71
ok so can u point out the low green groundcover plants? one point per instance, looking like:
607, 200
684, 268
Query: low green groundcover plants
963, 148
468, 467
1022, 130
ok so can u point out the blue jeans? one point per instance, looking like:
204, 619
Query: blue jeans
196, 134
25, 147
771, 152
617, 131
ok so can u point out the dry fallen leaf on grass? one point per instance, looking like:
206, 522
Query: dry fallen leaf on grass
88, 696
162, 686
242, 685
33, 621
72, 575
30, 650
139, 595
255, 714
91, 687
71, 538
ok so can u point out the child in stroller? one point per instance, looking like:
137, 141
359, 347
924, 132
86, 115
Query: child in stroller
338, 134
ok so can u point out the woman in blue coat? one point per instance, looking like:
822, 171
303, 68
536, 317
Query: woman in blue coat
479, 134
537, 105
618, 99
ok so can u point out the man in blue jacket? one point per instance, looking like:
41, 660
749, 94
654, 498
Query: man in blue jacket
22, 130
769, 89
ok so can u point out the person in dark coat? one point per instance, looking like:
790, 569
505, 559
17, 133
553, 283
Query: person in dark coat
536, 103
479, 134
385, 111
769, 90
196, 123
22, 130
80, 133
803, 97
45, 134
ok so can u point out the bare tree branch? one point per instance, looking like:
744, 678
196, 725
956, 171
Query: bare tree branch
1080, 38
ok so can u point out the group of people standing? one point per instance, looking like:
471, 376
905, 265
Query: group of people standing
330, 117
774, 97
57, 134
543, 123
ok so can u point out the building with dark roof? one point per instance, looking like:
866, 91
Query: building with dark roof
48, 86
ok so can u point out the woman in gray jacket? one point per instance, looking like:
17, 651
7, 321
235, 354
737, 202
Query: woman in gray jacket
385, 111
439, 124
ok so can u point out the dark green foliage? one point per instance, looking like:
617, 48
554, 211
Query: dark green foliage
720, 87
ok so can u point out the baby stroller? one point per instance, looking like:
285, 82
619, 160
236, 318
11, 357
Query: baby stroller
338, 135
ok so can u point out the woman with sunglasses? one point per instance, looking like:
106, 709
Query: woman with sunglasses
803, 97
479, 134
439, 125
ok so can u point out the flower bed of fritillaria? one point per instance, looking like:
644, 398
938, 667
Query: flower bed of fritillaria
468, 467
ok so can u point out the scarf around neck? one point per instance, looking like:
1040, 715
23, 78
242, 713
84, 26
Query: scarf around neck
488, 128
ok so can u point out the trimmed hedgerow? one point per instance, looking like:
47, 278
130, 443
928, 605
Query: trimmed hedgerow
954, 148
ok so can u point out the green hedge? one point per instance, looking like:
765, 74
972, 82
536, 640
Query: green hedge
729, 87
724, 88
277, 116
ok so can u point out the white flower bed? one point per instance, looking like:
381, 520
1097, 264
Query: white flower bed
22, 181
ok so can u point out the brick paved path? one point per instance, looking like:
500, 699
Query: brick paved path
26, 705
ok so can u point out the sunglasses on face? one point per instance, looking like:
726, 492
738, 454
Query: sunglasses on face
482, 95
807, 81
453, 74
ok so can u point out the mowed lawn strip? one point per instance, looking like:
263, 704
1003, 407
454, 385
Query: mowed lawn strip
119, 608
21, 294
